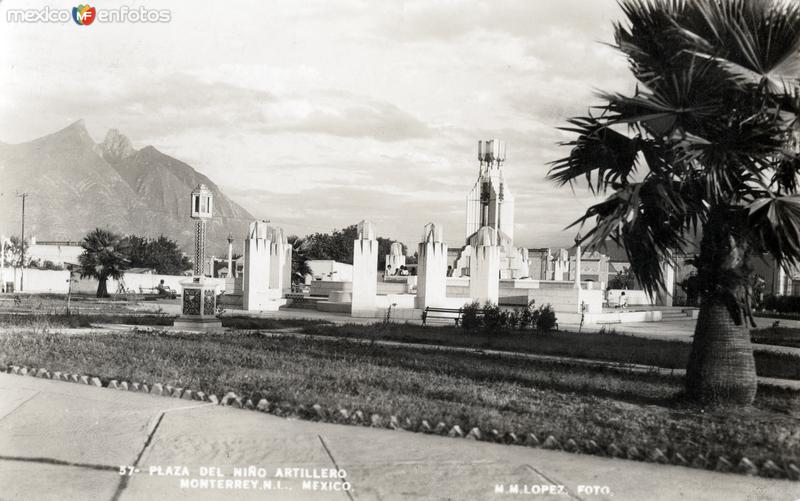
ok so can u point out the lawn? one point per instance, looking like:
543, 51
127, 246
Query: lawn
62, 320
609, 346
470, 390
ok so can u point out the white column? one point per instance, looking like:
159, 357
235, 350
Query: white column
432, 269
578, 267
256, 267
484, 273
365, 271
230, 259
277, 259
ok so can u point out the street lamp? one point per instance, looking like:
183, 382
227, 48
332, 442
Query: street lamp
201, 211
199, 309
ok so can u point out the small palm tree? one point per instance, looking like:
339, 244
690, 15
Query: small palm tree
706, 147
104, 256
300, 266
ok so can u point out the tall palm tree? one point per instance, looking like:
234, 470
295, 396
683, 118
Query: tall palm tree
104, 256
703, 146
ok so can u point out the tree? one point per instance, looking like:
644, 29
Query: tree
14, 252
104, 256
300, 266
161, 254
706, 143
338, 246
624, 279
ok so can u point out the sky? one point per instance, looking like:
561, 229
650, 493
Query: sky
321, 113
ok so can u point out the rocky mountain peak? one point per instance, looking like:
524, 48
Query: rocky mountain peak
116, 146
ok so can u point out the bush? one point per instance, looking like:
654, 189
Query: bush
491, 319
494, 319
782, 304
470, 320
546, 318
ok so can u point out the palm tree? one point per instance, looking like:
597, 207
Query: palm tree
300, 266
703, 146
104, 256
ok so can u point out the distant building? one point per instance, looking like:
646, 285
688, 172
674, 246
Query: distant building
57, 252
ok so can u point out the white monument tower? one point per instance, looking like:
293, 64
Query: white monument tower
490, 202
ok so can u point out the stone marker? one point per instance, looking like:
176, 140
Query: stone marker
432, 269
484, 266
365, 272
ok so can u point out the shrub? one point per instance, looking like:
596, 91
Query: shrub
470, 320
494, 319
545, 318
782, 304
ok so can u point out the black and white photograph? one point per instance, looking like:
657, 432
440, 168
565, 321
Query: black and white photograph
400, 250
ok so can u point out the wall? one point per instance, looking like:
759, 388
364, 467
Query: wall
323, 269
40, 281
635, 297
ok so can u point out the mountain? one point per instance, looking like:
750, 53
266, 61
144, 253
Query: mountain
77, 185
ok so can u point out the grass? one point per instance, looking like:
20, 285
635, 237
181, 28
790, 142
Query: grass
471, 390
612, 347
51, 321
781, 336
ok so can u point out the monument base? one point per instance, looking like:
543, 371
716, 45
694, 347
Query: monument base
199, 309
204, 325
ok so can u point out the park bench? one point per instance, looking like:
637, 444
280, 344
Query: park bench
152, 293
444, 313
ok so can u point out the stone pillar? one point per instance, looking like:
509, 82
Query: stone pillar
578, 267
432, 268
484, 269
278, 261
664, 295
365, 271
256, 272
395, 259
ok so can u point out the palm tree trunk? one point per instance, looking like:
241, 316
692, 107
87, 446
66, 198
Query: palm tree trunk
102, 291
721, 366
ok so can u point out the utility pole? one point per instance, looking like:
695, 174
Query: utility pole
23, 196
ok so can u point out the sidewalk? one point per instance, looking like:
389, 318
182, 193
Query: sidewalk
65, 441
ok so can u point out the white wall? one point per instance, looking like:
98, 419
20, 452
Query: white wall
323, 269
635, 297
39, 281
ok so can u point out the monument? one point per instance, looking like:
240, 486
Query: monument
365, 272
395, 259
199, 309
255, 282
491, 204
484, 272
280, 262
432, 269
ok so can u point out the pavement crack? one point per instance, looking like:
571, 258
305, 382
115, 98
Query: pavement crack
59, 462
553, 482
123, 483
333, 460
15, 409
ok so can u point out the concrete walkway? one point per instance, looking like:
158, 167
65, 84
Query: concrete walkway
65, 441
